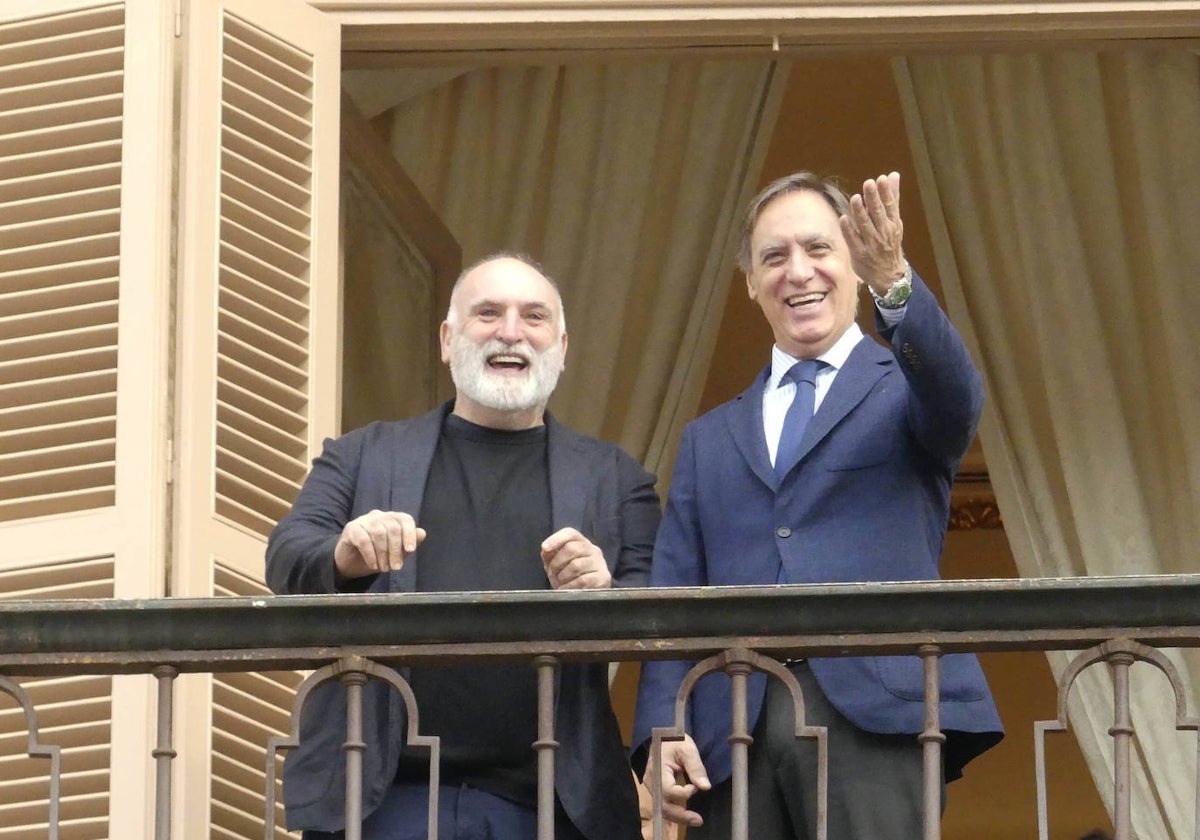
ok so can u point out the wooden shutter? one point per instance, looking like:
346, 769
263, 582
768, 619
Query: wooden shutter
85, 279
73, 713
61, 110
247, 710
257, 350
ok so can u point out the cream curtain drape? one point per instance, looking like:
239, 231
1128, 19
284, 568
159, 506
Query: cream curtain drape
1063, 193
626, 182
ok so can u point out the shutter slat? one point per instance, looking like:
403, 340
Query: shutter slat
254, 428
255, 450
23, 580
255, 313
265, 157
238, 236
255, 359
74, 226
53, 26
57, 161
267, 227
272, 296
248, 517
252, 475
86, 409
58, 342
264, 178
29, 393
268, 204
77, 455
53, 482
232, 488
265, 97
257, 113
252, 403
58, 205
38, 93
58, 364
34, 141
75, 285
62, 43
32, 185
85, 498
63, 66
50, 254
60, 319
269, 55
42, 115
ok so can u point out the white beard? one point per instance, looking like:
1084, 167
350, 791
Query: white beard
476, 381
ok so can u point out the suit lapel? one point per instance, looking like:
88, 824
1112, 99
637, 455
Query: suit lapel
412, 455
745, 421
569, 481
864, 367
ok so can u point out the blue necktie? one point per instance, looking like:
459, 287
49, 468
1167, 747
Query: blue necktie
804, 374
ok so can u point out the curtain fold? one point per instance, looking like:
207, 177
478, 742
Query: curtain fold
626, 182
1063, 194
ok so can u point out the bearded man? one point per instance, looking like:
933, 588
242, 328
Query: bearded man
487, 492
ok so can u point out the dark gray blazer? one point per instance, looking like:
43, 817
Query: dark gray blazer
594, 486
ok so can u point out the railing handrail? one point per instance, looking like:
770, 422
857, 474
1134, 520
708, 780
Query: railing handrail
275, 632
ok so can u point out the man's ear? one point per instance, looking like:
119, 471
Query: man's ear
564, 351
750, 290
444, 341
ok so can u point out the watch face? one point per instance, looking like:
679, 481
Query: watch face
898, 294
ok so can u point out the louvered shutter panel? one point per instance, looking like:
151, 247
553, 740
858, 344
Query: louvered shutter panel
248, 708
73, 713
85, 244
258, 355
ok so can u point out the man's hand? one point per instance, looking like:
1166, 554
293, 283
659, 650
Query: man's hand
646, 812
680, 760
375, 542
874, 232
573, 561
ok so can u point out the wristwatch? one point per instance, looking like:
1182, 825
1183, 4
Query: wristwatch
898, 294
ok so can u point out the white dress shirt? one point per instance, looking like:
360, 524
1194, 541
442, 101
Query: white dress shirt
777, 398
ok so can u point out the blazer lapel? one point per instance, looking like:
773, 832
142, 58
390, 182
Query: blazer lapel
745, 421
864, 367
569, 481
412, 455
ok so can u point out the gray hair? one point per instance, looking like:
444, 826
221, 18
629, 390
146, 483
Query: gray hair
827, 188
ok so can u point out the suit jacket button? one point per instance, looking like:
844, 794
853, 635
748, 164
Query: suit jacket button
783, 533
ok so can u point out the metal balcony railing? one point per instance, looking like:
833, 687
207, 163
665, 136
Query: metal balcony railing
355, 638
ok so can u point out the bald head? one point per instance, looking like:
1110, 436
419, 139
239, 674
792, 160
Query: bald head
509, 267
505, 341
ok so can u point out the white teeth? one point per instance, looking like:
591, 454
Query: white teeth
506, 360
812, 297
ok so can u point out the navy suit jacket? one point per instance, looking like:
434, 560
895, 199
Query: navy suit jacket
868, 500
594, 486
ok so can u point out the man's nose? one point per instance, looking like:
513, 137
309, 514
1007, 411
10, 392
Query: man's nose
509, 328
799, 266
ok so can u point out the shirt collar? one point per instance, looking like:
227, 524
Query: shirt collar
835, 356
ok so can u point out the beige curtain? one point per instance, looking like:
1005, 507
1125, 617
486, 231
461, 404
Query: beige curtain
626, 181
1063, 193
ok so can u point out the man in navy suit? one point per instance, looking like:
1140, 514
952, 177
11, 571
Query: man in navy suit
485, 493
856, 489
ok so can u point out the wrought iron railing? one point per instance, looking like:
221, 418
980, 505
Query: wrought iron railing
355, 638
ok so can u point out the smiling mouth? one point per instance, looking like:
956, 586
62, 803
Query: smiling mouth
507, 362
799, 301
